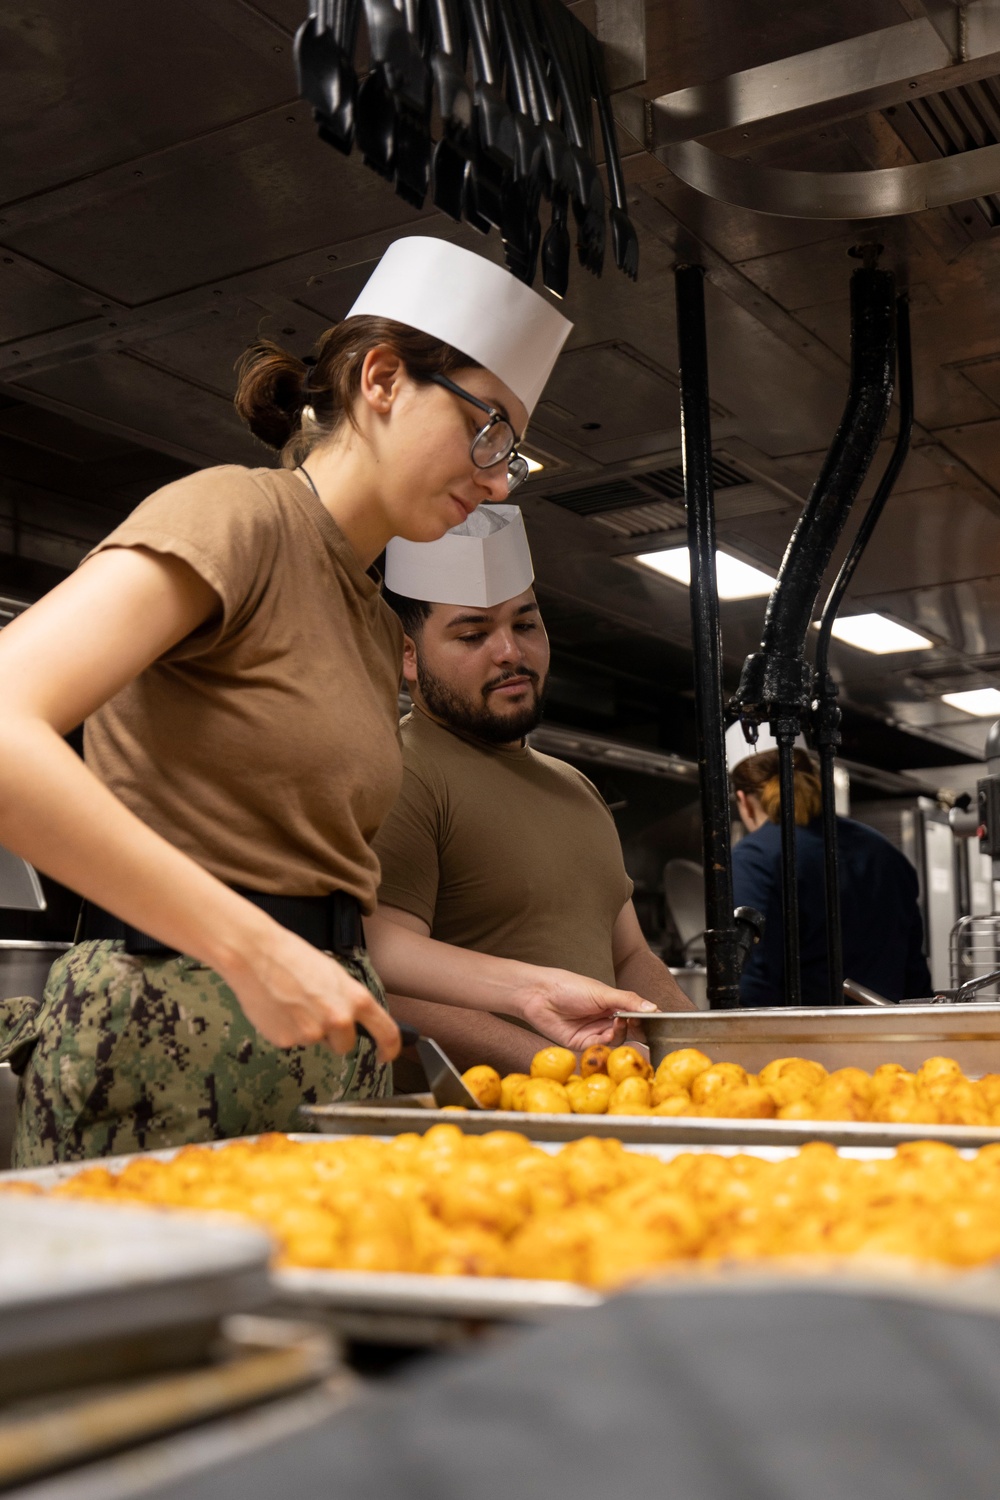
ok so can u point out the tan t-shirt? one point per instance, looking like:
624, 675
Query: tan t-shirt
503, 851
265, 745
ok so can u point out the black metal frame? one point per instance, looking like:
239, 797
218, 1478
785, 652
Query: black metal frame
729, 935
706, 635
776, 683
826, 712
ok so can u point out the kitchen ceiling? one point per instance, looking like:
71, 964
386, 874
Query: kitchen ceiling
164, 200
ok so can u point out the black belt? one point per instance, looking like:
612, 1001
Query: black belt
332, 923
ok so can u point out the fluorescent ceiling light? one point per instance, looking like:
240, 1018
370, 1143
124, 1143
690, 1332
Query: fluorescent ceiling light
878, 634
983, 702
737, 580
534, 464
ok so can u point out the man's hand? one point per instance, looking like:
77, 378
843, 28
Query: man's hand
577, 1012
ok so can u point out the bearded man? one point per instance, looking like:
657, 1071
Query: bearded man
492, 845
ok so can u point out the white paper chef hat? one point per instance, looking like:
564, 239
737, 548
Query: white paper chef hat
737, 748
483, 562
472, 304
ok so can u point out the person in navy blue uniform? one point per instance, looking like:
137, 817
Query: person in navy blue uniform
883, 931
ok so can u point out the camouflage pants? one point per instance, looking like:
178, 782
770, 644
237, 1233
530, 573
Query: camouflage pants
133, 1053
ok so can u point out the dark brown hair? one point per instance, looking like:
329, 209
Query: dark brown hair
757, 776
293, 405
412, 613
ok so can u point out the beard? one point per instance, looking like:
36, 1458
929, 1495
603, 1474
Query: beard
475, 716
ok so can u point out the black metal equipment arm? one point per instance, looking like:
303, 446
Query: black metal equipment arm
776, 683
779, 666
723, 951
826, 713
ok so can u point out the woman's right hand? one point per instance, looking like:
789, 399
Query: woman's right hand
296, 996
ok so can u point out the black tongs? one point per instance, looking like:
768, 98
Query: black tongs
324, 49
412, 93
453, 151
624, 240
393, 108
494, 136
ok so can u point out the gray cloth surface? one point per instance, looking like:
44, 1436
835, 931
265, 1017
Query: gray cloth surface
797, 1395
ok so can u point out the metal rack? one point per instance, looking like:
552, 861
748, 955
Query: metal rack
974, 951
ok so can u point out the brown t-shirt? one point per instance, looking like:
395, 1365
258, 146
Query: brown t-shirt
265, 744
504, 851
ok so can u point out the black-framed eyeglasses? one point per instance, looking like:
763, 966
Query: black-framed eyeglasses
494, 442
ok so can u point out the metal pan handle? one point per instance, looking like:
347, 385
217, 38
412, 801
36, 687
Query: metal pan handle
861, 995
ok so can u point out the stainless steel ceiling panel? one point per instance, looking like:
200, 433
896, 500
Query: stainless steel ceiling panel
784, 402
965, 614
607, 392
925, 467
927, 537
89, 85
32, 301
943, 396
978, 445
256, 193
984, 375
820, 273
140, 396
331, 296
205, 353
691, 43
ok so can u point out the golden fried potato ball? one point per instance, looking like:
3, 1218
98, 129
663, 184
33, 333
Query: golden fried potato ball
904, 1109
485, 1084
961, 1104
887, 1073
554, 1247
855, 1079
989, 1088
801, 1109
599, 1089
790, 1078
623, 1254
720, 1076
594, 1060
681, 1068
630, 1091
672, 1104
556, 1063
666, 1088
626, 1062
576, 1089
511, 1088
740, 1103
835, 1100
938, 1067
543, 1096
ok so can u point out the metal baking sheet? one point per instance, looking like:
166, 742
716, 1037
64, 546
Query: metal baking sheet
394, 1304
373, 1118
71, 1272
496, 1299
847, 1036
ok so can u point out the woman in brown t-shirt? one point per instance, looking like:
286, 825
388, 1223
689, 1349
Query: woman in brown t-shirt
237, 670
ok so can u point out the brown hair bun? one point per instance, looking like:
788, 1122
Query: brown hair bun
275, 388
271, 392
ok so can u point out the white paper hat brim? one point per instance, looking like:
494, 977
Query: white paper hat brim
737, 748
471, 304
480, 572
